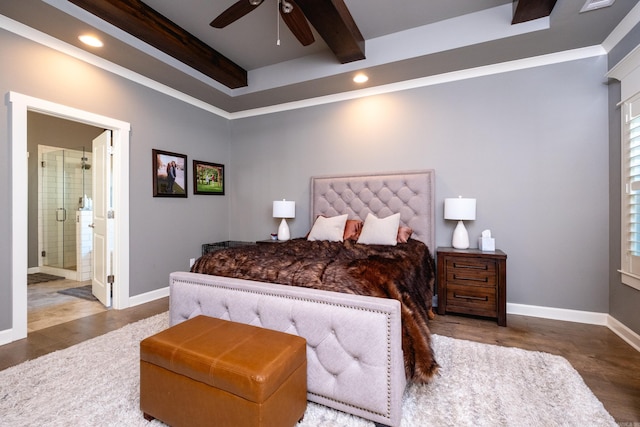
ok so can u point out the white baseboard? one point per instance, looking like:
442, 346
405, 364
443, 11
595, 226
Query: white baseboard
6, 336
67, 274
592, 318
148, 297
624, 332
602, 319
565, 314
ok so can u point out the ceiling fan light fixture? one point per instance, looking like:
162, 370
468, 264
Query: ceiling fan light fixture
255, 2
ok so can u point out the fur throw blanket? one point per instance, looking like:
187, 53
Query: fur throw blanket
404, 272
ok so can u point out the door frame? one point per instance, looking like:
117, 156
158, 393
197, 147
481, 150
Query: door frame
19, 104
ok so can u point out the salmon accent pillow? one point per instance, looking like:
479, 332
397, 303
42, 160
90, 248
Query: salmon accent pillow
352, 230
404, 233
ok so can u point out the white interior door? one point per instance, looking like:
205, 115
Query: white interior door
102, 224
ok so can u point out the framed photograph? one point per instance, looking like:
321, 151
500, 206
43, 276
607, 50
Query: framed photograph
169, 174
208, 178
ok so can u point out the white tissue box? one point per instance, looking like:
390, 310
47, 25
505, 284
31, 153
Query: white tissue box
486, 244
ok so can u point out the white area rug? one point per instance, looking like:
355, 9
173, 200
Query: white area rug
96, 383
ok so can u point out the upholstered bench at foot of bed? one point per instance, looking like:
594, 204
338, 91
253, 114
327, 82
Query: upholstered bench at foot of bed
208, 371
355, 361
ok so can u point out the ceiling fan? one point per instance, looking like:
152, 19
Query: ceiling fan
291, 14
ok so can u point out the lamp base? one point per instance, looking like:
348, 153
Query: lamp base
460, 237
283, 231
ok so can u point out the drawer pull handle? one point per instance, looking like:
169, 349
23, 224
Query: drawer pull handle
475, 279
470, 297
470, 266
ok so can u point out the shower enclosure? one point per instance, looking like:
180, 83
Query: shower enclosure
65, 188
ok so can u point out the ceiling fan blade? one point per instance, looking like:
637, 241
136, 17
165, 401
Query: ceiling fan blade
233, 13
297, 23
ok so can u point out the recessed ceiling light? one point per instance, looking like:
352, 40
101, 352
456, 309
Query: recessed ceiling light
596, 4
90, 40
360, 78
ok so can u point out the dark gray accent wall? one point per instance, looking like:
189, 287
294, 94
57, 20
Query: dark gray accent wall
531, 146
164, 232
624, 300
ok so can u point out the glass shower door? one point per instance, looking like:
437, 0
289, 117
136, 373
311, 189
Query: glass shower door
60, 200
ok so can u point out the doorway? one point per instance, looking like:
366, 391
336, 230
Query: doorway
19, 106
60, 186
60, 200
60, 249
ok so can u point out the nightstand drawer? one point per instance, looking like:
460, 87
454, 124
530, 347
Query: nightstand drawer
472, 299
470, 271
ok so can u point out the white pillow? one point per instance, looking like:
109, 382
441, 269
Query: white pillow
331, 229
376, 231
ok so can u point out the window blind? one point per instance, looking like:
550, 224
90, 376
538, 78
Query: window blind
631, 201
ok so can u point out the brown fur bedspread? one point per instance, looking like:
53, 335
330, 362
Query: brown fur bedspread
404, 272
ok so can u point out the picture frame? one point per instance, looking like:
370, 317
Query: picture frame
169, 174
208, 178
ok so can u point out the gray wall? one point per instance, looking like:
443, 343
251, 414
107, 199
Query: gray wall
531, 146
624, 300
165, 233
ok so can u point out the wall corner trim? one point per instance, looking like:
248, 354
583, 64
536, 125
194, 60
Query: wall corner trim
588, 317
624, 332
622, 29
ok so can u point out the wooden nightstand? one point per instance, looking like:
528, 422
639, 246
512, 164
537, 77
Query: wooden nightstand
473, 282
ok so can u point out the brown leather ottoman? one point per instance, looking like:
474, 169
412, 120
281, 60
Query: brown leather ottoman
212, 372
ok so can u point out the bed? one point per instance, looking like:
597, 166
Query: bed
355, 341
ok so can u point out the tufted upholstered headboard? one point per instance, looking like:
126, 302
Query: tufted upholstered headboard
410, 193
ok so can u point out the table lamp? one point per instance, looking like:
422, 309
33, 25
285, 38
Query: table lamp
459, 210
284, 209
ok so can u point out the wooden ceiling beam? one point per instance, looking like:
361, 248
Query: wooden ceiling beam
143, 22
528, 10
333, 21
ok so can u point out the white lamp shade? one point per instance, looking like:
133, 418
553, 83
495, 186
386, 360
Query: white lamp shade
460, 209
284, 209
